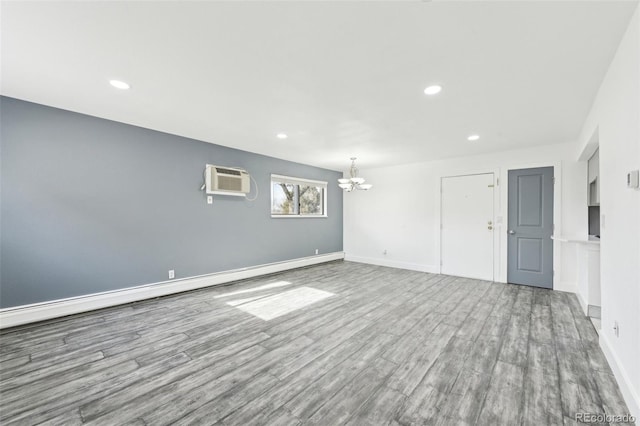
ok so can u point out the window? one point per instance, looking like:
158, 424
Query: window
295, 197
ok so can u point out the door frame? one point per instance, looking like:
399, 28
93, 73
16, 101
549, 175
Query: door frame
557, 218
493, 219
522, 277
500, 210
496, 208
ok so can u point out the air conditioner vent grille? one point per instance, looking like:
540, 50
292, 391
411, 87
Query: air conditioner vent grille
229, 183
228, 171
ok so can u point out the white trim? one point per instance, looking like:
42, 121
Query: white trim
624, 381
10, 317
296, 181
493, 220
300, 181
432, 269
299, 216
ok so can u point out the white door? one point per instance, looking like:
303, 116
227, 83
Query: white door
466, 235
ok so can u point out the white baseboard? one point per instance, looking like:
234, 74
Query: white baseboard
10, 317
394, 264
624, 381
565, 286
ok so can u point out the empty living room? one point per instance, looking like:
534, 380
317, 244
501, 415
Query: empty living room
411, 212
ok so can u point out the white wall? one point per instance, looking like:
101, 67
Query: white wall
401, 214
615, 117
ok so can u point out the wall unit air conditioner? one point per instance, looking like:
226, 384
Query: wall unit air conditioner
227, 181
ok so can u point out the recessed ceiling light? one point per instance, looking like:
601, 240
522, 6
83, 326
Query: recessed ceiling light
119, 84
432, 90
282, 136
473, 138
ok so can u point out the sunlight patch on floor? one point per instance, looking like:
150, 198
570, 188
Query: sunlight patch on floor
247, 300
251, 290
270, 307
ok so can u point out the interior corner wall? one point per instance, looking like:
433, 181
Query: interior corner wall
615, 114
400, 216
90, 205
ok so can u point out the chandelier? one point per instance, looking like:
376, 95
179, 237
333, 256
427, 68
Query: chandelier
354, 182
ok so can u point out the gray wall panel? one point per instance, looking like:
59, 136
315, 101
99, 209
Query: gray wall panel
91, 205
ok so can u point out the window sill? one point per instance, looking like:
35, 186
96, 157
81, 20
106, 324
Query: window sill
297, 216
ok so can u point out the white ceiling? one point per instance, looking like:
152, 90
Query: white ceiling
341, 79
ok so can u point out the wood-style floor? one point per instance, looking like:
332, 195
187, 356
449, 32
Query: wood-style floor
389, 347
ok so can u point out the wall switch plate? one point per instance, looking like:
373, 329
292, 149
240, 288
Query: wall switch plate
316, 251
172, 274
210, 199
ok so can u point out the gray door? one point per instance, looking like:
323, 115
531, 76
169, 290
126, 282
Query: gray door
530, 217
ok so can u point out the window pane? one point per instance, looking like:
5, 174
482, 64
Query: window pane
284, 197
311, 199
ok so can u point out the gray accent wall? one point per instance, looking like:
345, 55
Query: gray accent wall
91, 205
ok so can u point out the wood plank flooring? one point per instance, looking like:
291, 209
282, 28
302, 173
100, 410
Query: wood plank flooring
390, 347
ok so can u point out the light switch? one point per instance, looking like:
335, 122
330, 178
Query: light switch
210, 199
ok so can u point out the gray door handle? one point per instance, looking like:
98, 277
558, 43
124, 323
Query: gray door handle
511, 231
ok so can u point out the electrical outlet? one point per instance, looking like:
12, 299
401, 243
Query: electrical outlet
385, 252
172, 274
616, 329
210, 199
316, 251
